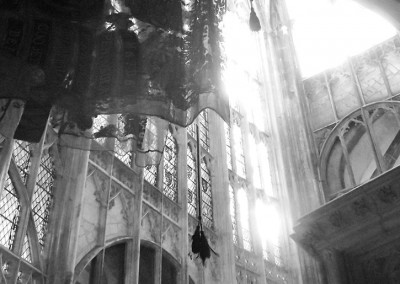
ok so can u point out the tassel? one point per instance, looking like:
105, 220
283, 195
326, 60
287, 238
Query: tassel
196, 240
200, 245
254, 22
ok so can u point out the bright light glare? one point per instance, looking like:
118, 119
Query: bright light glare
244, 209
326, 32
268, 223
242, 60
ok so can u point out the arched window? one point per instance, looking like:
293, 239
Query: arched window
149, 262
107, 267
244, 219
362, 146
233, 213
28, 191
192, 182
170, 175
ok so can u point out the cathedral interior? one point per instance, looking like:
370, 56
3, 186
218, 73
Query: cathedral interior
117, 142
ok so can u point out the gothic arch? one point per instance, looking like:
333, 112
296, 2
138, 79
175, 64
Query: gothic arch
360, 147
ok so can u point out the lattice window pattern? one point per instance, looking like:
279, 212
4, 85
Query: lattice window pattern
151, 174
246, 239
26, 250
99, 122
42, 199
203, 129
170, 177
207, 202
123, 148
273, 255
232, 207
254, 161
239, 152
228, 145
244, 219
9, 214
192, 183
22, 158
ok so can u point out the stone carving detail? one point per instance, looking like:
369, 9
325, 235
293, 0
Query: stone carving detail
171, 239
171, 209
361, 207
128, 210
151, 224
101, 182
115, 192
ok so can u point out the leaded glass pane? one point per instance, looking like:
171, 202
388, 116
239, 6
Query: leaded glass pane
228, 145
203, 129
99, 122
9, 214
170, 178
151, 174
42, 199
246, 239
207, 206
26, 250
192, 183
232, 207
254, 162
239, 153
22, 158
244, 219
123, 148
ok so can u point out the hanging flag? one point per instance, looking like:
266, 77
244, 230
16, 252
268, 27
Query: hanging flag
146, 57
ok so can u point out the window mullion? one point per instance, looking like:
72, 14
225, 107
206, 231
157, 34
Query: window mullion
26, 211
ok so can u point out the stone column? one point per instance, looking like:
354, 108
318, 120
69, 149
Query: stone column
181, 140
70, 184
220, 180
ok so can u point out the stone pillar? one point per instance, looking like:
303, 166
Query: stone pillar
181, 140
220, 181
134, 217
70, 184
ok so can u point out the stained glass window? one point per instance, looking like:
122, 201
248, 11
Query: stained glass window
228, 145
151, 174
254, 162
239, 153
232, 207
207, 206
99, 122
203, 128
42, 199
192, 183
22, 158
269, 228
9, 214
26, 250
244, 219
170, 177
123, 148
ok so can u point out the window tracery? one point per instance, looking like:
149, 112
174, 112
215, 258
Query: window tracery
170, 175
